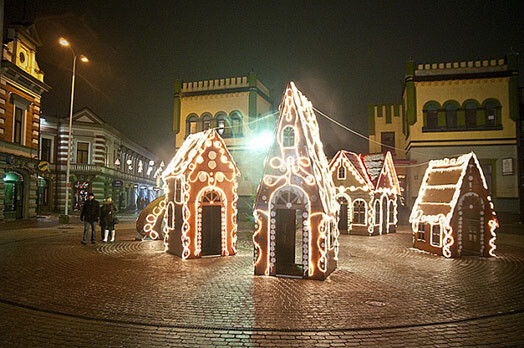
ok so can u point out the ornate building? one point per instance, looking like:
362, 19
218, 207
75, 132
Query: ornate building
240, 108
452, 108
103, 161
21, 87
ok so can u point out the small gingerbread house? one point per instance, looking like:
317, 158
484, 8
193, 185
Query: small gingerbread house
201, 198
354, 193
295, 208
453, 214
385, 198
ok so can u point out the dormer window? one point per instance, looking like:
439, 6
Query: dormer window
341, 172
288, 136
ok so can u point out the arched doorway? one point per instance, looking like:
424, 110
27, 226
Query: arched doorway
210, 223
472, 223
384, 215
343, 214
14, 196
289, 226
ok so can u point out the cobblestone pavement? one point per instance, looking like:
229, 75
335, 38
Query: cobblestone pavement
56, 292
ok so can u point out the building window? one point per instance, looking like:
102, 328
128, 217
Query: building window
18, 126
82, 152
288, 136
435, 235
359, 212
432, 116
471, 115
206, 122
491, 114
191, 124
451, 116
236, 123
341, 172
421, 232
45, 149
222, 126
387, 140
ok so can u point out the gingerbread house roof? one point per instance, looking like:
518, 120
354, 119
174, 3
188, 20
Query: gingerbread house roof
441, 186
357, 164
314, 149
374, 164
193, 146
387, 180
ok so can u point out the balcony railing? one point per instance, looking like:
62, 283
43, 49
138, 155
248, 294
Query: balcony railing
95, 168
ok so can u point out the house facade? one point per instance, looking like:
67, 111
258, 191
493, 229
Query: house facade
240, 109
21, 87
103, 161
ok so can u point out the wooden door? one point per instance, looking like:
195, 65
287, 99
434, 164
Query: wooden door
285, 241
211, 230
471, 225
343, 218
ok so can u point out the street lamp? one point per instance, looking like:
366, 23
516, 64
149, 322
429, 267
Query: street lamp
62, 41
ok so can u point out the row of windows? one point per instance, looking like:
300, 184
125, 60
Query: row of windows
470, 115
227, 126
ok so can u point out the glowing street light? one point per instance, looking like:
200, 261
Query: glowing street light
63, 42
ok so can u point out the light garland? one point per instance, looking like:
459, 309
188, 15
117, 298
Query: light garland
202, 166
443, 217
296, 166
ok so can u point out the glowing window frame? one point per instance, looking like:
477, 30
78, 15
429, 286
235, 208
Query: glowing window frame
286, 137
421, 229
432, 233
343, 170
359, 200
178, 191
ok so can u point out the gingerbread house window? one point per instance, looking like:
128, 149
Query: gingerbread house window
288, 137
436, 235
421, 232
359, 212
341, 172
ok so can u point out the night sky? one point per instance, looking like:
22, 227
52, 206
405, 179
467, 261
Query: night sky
342, 55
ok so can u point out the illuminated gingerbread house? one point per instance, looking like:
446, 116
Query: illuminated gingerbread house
453, 214
385, 198
295, 209
354, 193
201, 198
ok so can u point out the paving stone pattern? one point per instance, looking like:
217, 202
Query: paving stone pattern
54, 291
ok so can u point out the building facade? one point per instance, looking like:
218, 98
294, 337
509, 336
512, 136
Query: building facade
103, 161
449, 109
21, 87
240, 108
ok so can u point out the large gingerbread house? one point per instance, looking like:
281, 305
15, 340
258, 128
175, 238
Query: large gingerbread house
453, 214
201, 198
354, 193
295, 208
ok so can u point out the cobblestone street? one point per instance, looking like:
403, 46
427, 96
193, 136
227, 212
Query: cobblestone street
56, 292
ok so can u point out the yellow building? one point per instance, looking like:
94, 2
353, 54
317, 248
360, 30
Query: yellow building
454, 108
240, 108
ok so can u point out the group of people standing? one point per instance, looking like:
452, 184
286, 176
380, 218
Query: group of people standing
91, 213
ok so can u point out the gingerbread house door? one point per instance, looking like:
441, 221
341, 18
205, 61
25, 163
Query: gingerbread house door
343, 215
211, 225
471, 223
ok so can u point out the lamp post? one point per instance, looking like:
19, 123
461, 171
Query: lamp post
62, 41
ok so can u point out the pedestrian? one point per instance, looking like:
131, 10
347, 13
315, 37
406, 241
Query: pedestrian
108, 219
89, 215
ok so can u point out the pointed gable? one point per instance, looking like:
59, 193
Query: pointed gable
192, 148
86, 115
387, 180
354, 167
298, 151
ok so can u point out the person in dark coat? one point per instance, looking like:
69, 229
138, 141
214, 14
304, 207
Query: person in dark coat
108, 219
89, 215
